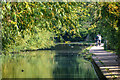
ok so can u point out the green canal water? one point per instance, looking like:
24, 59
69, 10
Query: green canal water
63, 62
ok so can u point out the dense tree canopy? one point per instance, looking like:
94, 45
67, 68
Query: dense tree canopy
107, 23
34, 25
25, 24
111, 16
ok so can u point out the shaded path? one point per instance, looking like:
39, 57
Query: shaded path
107, 62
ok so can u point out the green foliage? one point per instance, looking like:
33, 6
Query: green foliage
23, 21
106, 19
27, 24
110, 19
86, 54
31, 41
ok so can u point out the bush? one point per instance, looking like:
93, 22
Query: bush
39, 39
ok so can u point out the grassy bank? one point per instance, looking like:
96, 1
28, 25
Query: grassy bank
85, 53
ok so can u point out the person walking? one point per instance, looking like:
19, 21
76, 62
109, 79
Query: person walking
96, 40
99, 38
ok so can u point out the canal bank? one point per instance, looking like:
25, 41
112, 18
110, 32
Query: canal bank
54, 47
106, 63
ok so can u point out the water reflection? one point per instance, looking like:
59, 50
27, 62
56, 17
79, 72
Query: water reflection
70, 64
37, 64
64, 62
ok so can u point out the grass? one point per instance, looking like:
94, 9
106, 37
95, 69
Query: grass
79, 43
86, 54
112, 51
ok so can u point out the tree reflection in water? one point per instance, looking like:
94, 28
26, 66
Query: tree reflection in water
64, 62
70, 64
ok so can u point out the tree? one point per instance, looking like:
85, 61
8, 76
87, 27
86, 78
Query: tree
25, 24
107, 23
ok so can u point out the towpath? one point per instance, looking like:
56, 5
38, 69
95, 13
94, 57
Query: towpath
107, 62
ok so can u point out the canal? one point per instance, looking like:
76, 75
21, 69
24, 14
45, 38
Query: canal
63, 62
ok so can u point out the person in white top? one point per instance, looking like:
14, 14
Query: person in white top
99, 38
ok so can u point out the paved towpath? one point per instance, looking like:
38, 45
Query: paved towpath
107, 62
